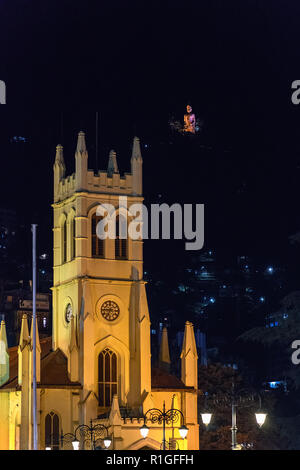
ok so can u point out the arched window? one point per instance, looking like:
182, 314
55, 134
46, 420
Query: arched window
121, 243
107, 377
52, 431
97, 243
73, 238
64, 241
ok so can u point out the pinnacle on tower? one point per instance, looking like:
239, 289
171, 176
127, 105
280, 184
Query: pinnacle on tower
164, 353
112, 164
24, 335
59, 170
24, 353
136, 150
136, 168
38, 346
59, 156
81, 166
81, 146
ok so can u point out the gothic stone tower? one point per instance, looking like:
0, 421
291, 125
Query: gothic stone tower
100, 312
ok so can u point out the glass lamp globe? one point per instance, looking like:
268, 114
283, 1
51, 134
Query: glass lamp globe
260, 418
47, 448
107, 442
206, 417
183, 430
75, 444
144, 430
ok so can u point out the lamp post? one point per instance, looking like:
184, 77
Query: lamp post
234, 399
34, 396
164, 417
91, 434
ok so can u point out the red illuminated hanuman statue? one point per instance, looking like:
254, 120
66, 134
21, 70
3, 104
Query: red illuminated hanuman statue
189, 120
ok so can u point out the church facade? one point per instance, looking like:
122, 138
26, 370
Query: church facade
97, 364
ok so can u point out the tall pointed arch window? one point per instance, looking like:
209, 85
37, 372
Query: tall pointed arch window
121, 245
73, 237
107, 377
97, 243
64, 241
52, 431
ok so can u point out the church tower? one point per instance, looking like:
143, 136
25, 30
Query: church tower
100, 312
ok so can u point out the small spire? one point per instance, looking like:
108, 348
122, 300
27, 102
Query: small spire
81, 146
189, 357
3, 337
189, 342
59, 156
38, 346
24, 335
164, 353
136, 149
175, 404
112, 164
115, 415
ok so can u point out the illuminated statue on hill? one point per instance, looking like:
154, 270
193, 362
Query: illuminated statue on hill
191, 125
189, 120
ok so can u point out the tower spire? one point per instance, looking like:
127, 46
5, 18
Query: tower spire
164, 353
112, 164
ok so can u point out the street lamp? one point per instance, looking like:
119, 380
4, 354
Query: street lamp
183, 430
206, 417
144, 430
260, 415
107, 442
164, 417
260, 418
235, 399
75, 444
91, 434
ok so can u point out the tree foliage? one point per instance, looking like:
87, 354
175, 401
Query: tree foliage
216, 380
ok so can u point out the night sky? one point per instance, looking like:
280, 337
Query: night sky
137, 66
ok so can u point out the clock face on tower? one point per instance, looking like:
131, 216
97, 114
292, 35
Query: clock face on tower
68, 313
110, 310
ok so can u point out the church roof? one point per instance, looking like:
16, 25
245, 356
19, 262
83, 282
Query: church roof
54, 368
54, 371
163, 380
